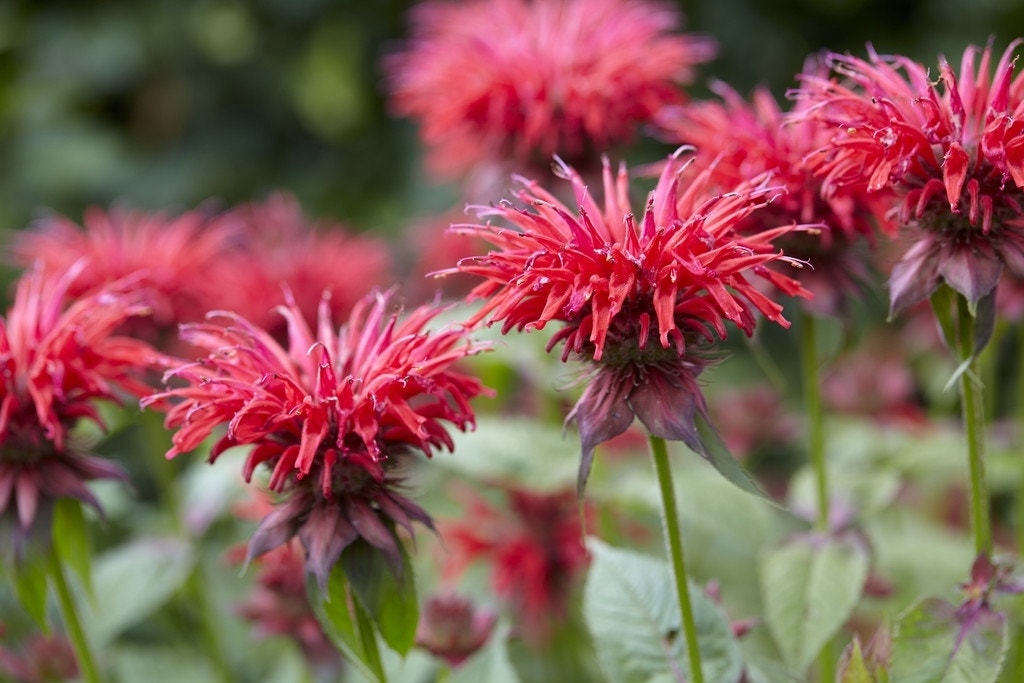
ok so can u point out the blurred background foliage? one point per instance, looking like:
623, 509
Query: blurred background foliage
169, 103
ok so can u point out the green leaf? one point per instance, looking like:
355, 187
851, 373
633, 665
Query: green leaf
336, 616
134, 580
925, 646
631, 608
389, 600
490, 664
71, 539
810, 587
717, 453
29, 580
852, 667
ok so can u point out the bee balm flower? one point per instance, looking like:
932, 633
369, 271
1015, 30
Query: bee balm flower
640, 299
332, 416
950, 147
492, 80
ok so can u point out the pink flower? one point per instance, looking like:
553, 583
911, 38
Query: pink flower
333, 416
174, 257
642, 300
952, 150
279, 247
738, 140
535, 550
39, 658
493, 80
58, 360
453, 628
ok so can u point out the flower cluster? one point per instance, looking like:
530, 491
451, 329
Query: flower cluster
949, 147
333, 416
58, 359
638, 298
491, 80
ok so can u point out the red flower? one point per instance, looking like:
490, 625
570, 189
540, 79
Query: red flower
453, 628
57, 360
39, 658
535, 548
173, 257
951, 148
279, 246
639, 299
332, 415
738, 140
490, 80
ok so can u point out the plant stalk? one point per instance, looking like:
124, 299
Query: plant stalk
674, 541
973, 409
83, 653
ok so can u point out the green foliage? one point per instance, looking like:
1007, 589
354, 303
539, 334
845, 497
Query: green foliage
389, 599
335, 611
810, 586
71, 539
631, 608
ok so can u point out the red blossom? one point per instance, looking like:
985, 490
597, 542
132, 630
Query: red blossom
58, 359
453, 628
279, 246
950, 147
737, 140
641, 299
534, 547
493, 80
173, 256
332, 416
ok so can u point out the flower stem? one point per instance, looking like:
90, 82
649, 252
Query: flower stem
79, 643
973, 408
674, 540
816, 453
368, 639
815, 417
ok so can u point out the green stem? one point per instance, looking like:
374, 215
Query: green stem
659, 453
815, 416
83, 654
811, 367
973, 408
368, 639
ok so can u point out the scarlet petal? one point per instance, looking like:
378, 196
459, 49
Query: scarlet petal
954, 172
602, 413
668, 406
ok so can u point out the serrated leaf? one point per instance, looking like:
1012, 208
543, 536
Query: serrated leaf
925, 648
631, 608
389, 600
810, 587
134, 580
334, 612
71, 539
717, 453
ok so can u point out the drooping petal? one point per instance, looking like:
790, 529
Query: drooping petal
667, 404
602, 413
970, 271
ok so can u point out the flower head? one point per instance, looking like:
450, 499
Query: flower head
332, 415
534, 547
490, 80
58, 360
453, 628
172, 256
279, 246
950, 148
737, 140
641, 299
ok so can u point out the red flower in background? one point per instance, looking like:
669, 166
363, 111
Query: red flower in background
332, 415
58, 359
174, 257
279, 246
642, 300
738, 140
500, 80
534, 547
453, 628
952, 149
